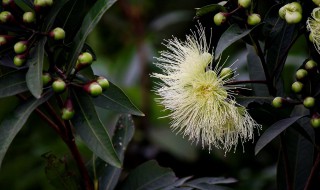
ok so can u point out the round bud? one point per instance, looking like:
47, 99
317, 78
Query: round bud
3, 40
297, 87
253, 19
46, 78
57, 34
67, 110
7, 2
85, 57
317, 2
59, 86
5, 16
309, 102
282, 12
43, 3
310, 65
315, 121
226, 73
29, 17
93, 88
293, 17
277, 102
20, 47
19, 60
301, 74
219, 18
103, 82
244, 3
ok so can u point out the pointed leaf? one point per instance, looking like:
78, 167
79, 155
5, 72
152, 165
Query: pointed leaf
273, 131
213, 180
89, 22
149, 175
177, 183
91, 130
210, 8
12, 124
13, 83
122, 136
50, 17
34, 74
114, 99
231, 35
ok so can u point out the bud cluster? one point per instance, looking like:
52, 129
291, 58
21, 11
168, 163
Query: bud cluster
23, 39
302, 87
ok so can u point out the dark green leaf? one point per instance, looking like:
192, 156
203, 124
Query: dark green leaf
89, 22
256, 72
114, 99
51, 16
24, 4
57, 173
122, 136
208, 187
34, 74
91, 130
212, 180
148, 176
13, 83
12, 124
231, 35
210, 8
273, 131
177, 183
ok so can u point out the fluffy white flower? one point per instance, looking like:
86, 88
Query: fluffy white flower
201, 103
313, 25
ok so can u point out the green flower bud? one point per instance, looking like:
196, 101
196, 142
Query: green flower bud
93, 88
293, 17
20, 47
5, 16
244, 3
3, 40
57, 34
309, 102
310, 65
46, 78
277, 102
301, 74
297, 87
253, 19
315, 121
103, 82
85, 59
67, 110
295, 7
226, 73
19, 60
29, 17
7, 2
59, 85
219, 18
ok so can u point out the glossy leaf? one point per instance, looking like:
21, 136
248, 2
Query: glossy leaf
13, 83
210, 8
114, 99
34, 74
91, 130
122, 136
177, 184
256, 72
212, 180
89, 22
149, 175
51, 16
13, 123
231, 35
273, 131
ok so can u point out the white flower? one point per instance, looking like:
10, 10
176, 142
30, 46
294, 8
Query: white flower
313, 25
201, 103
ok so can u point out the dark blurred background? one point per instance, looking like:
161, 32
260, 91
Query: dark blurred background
125, 42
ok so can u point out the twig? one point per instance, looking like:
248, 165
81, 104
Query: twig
314, 171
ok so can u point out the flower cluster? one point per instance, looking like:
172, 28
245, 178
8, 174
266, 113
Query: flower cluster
201, 102
313, 25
